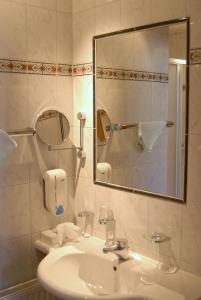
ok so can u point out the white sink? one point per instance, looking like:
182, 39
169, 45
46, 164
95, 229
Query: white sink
71, 273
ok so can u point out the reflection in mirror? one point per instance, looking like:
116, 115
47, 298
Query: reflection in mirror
142, 81
103, 127
52, 127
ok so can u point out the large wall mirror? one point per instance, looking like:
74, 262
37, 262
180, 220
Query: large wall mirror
141, 109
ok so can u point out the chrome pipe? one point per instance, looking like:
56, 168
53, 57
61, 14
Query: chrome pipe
23, 132
118, 126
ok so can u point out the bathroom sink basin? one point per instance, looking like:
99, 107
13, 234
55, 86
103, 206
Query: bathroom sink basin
71, 273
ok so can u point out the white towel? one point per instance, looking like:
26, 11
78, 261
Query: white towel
148, 133
68, 231
7, 145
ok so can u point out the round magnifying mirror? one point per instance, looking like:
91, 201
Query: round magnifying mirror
52, 127
103, 126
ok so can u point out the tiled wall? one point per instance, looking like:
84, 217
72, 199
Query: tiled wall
138, 214
31, 31
40, 31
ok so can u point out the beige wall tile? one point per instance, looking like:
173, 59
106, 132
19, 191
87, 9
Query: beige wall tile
13, 39
66, 160
83, 99
135, 13
47, 4
111, 21
164, 10
15, 208
64, 38
102, 2
19, 1
15, 261
195, 100
81, 5
191, 236
166, 217
15, 170
193, 10
64, 5
143, 44
160, 101
122, 57
194, 168
83, 31
104, 52
41, 95
13, 104
41, 34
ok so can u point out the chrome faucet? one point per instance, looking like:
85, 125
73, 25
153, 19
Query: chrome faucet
120, 248
116, 246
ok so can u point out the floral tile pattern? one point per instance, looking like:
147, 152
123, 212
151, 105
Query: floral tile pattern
14, 66
5, 66
64, 70
121, 74
195, 56
34, 68
40, 68
83, 69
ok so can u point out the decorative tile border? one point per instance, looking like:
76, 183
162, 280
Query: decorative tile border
40, 68
83, 69
109, 73
34, 68
195, 56
64, 70
25, 67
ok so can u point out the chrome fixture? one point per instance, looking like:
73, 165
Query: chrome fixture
81, 153
118, 126
118, 247
82, 118
156, 237
22, 132
87, 218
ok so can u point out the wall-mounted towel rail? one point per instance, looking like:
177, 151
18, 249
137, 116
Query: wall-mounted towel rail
119, 126
23, 132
